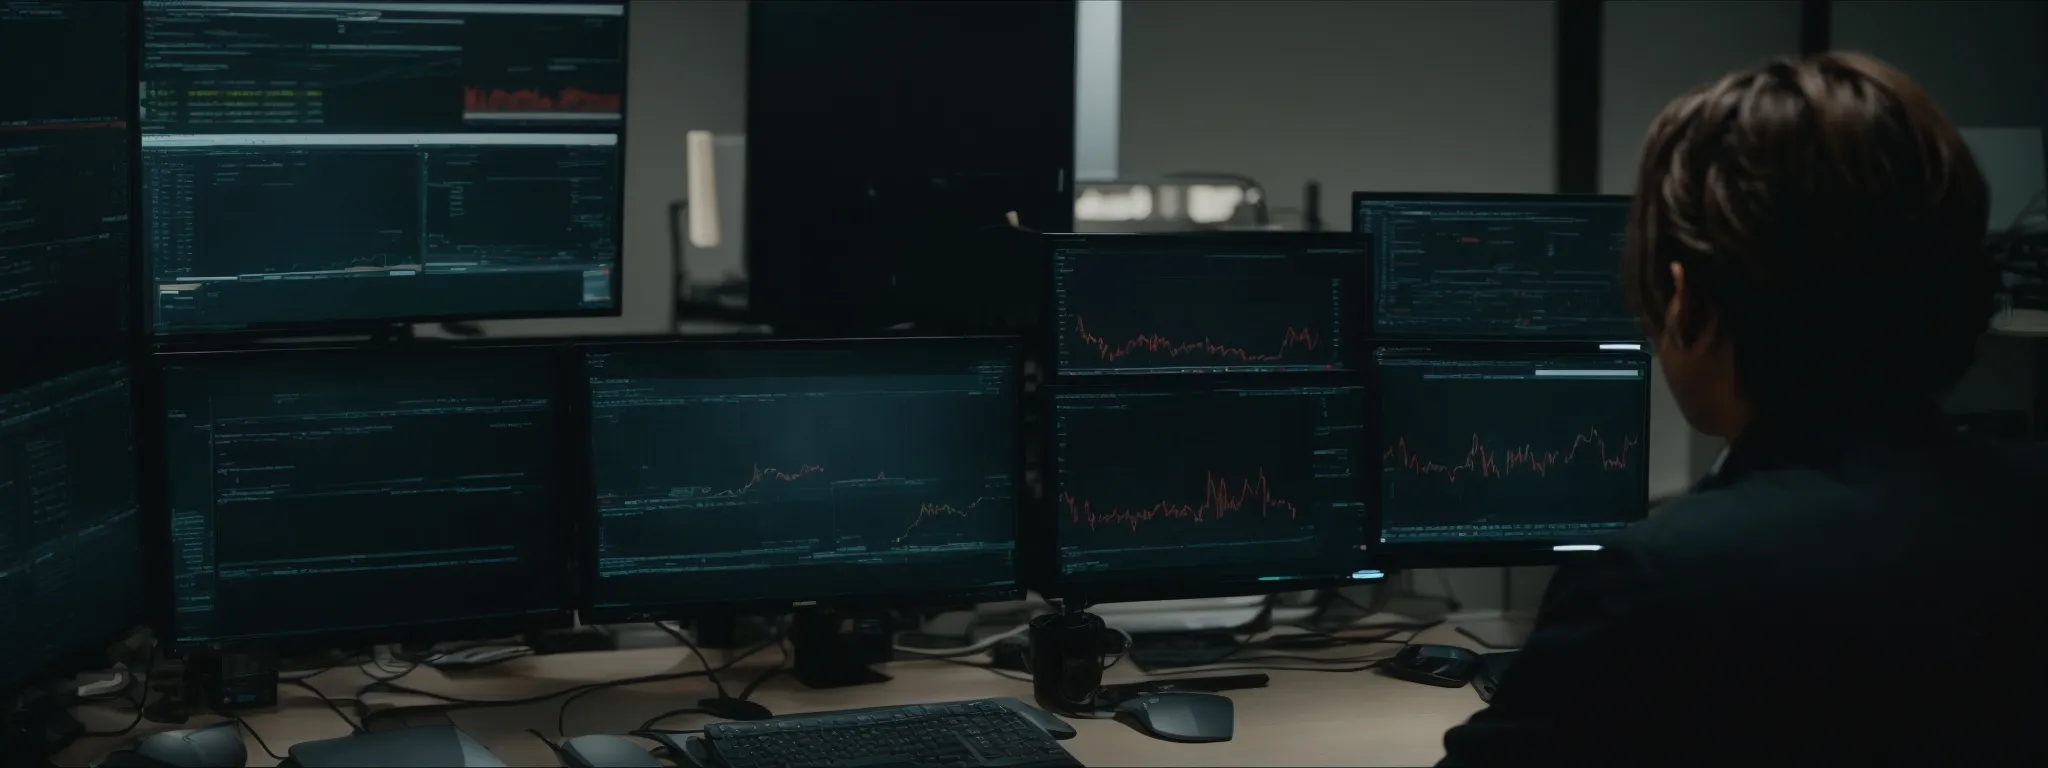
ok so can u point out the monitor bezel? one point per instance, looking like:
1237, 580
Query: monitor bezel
688, 608
156, 511
1372, 323
1355, 321
92, 656
252, 333
1526, 552
1154, 585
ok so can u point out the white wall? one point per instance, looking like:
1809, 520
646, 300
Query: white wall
1986, 64
1399, 96
686, 71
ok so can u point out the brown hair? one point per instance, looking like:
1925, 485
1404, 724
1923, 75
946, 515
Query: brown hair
1830, 221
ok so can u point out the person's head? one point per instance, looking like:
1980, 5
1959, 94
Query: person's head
1806, 240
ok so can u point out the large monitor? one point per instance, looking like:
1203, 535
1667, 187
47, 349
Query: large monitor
728, 475
65, 176
1268, 302
330, 496
309, 163
1496, 266
1494, 455
1205, 490
70, 537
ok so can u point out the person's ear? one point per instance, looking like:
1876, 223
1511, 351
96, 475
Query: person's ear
1674, 310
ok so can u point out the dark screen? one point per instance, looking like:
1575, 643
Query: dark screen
1149, 305
70, 537
1496, 446
1522, 266
1208, 486
335, 491
64, 179
364, 162
770, 473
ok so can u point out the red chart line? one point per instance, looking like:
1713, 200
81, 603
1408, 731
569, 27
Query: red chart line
1483, 462
1218, 501
1154, 343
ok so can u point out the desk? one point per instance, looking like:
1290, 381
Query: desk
1302, 718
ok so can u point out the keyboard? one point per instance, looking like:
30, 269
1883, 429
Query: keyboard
956, 734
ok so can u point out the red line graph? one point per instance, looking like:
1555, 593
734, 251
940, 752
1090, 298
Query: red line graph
1218, 501
1147, 342
475, 99
1484, 462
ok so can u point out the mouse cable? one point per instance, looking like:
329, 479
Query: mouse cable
987, 667
141, 698
562, 714
553, 748
781, 644
971, 649
683, 638
673, 713
352, 726
258, 737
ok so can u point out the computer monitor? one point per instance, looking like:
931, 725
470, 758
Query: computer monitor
71, 552
325, 497
743, 475
1193, 303
1201, 489
1496, 266
310, 163
1498, 454
65, 139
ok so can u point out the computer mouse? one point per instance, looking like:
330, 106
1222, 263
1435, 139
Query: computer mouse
1447, 666
216, 747
601, 751
1181, 715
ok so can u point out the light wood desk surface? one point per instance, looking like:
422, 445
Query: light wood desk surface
1302, 718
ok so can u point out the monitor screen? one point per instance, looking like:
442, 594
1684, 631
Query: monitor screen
312, 163
1204, 303
337, 492
1498, 266
778, 472
70, 537
64, 181
1506, 446
1184, 488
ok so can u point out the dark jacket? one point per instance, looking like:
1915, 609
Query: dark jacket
1831, 596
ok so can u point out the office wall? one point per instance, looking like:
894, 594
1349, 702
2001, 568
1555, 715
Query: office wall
1407, 96
686, 71
1651, 52
1986, 64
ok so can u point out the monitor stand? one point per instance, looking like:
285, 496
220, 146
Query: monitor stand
833, 649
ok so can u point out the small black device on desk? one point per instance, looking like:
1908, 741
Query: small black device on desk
1442, 665
983, 732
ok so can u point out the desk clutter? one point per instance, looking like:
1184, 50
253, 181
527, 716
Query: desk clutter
225, 455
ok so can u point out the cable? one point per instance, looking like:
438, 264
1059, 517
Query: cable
991, 668
701, 658
551, 748
656, 720
562, 715
141, 698
967, 650
258, 737
330, 705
